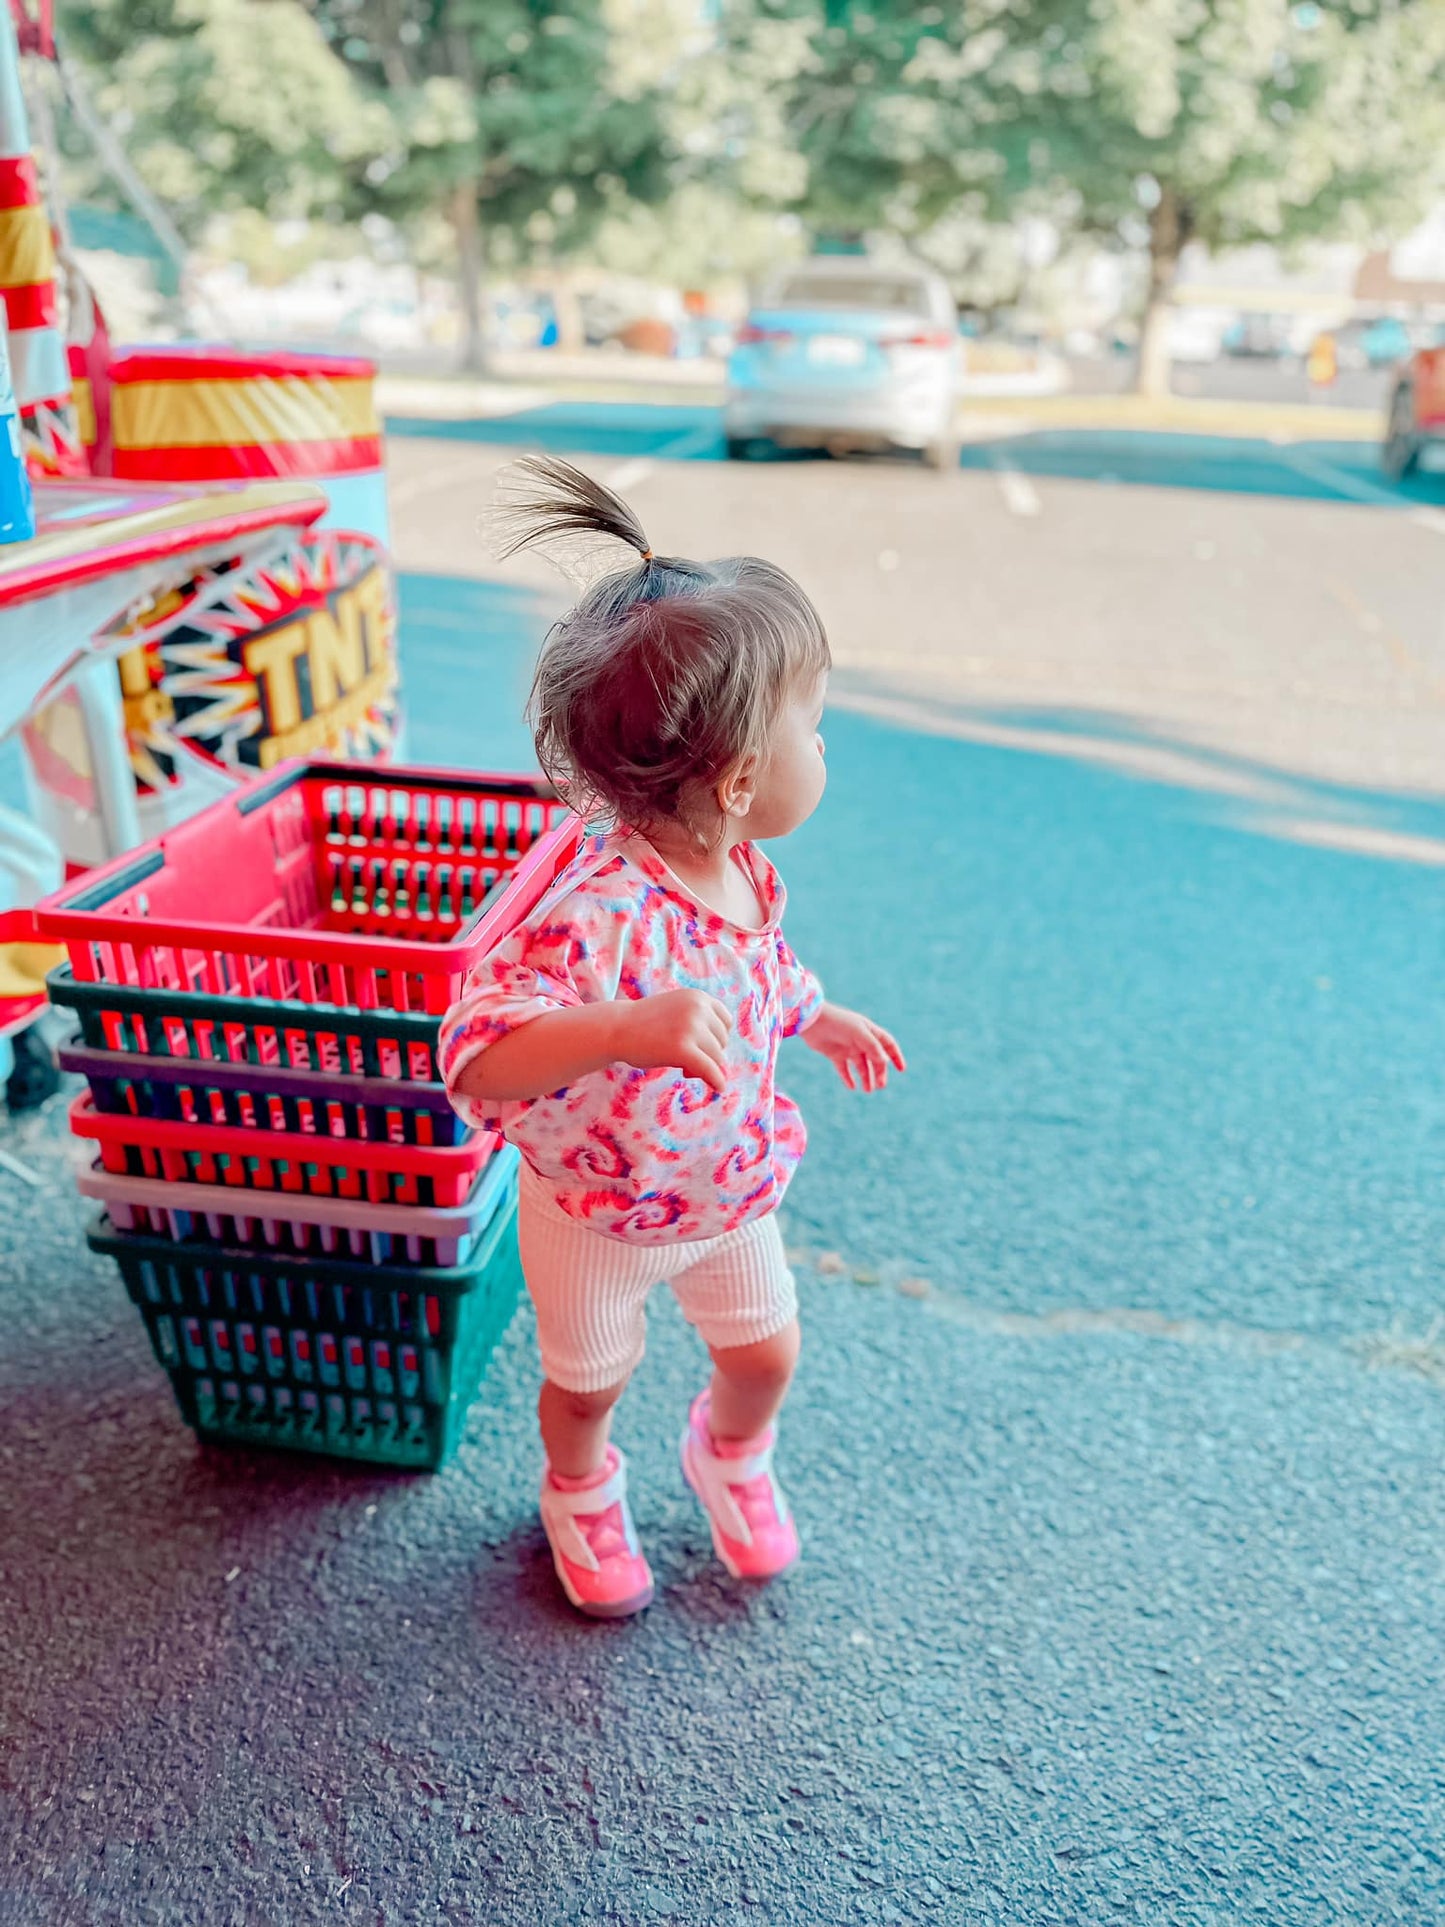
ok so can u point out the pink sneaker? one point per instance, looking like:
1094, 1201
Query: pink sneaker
594, 1543
752, 1529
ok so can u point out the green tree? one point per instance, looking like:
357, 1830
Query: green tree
525, 121
1149, 123
865, 117
224, 105
1224, 121
732, 175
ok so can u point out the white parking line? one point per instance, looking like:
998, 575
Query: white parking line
1356, 839
1153, 762
631, 473
1336, 478
1371, 493
628, 474
1018, 491
21, 1171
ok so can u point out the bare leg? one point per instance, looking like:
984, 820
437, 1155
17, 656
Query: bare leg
750, 1382
575, 1426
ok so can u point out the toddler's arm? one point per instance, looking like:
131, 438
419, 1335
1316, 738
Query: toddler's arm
858, 1049
685, 1029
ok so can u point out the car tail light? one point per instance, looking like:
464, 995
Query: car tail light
750, 334
929, 338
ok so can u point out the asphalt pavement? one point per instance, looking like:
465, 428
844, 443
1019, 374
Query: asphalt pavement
1116, 1448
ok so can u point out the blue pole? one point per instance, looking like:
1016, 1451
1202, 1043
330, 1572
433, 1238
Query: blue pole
17, 507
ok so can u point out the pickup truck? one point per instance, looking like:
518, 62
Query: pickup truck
1417, 411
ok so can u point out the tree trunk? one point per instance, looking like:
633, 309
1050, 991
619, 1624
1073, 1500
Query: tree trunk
571, 330
1169, 227
473, 359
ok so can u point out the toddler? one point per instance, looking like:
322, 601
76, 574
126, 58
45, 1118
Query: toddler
625, 1036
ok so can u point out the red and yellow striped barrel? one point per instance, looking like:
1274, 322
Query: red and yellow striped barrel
216, 414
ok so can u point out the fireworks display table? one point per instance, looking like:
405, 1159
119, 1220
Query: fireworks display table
284, 648
104, 551
106, 555
219, 601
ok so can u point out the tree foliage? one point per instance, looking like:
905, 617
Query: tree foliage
527, 102
525, 122
535, 125
1226, 121
227, 104
1267, 122
1142, 121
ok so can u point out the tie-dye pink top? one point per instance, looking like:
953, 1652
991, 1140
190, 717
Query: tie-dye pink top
650, 1156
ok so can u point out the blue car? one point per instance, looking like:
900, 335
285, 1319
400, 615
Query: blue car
1377, 343
843, 354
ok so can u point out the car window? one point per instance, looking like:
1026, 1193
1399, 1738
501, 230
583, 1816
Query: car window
896, 294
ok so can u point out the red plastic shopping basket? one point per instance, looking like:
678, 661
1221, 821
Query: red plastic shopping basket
327, 883
321, 1167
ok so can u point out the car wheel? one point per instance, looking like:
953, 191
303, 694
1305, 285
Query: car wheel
739, 448
1402, 440
943, 454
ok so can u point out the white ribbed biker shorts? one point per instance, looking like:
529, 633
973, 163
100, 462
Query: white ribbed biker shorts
590, 1291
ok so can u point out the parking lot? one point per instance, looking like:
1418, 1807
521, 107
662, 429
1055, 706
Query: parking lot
1117, 1445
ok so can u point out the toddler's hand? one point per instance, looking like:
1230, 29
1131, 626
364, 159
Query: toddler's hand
859, 1049
686, 1029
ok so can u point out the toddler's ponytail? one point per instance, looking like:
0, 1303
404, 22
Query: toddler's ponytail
549, 500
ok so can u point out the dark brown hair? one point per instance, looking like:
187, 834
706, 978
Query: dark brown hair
666, 674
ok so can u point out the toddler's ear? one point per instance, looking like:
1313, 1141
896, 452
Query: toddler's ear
738, 787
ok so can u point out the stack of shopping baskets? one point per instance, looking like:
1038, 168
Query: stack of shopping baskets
323, 1254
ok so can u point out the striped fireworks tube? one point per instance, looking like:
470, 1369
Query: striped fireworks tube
27, 279
89, 354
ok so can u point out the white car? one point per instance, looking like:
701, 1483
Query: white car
844, 353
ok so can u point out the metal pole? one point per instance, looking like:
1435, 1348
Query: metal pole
98, 687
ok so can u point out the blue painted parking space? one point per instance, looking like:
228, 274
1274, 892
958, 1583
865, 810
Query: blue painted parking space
467, 653
1305, 471
685, 432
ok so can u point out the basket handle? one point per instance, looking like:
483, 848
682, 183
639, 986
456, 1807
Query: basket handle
102, 885
253, 795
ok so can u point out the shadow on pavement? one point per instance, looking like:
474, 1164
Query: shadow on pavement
123, 1530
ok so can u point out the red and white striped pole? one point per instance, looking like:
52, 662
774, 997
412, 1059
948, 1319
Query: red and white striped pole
27, 278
